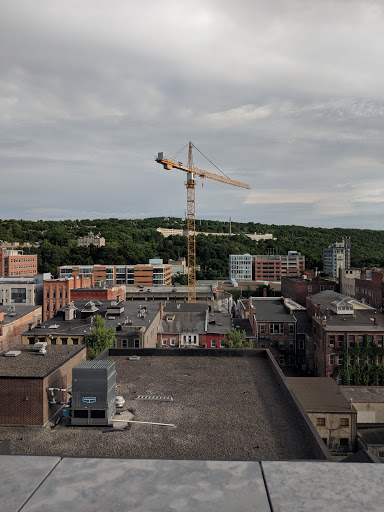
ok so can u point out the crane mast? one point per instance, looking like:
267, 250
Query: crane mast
191, 171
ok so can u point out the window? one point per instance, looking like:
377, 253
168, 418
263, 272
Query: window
276, 328
339, 380
331, 340
291, 329
163, 342
124, 343
173, 341
380, 340
344, 422
137, 343
213, 343
281, 344
340, 340
301, 344
340, 360
344, 442
332, 359
291, 344
351, 340
281, 360
64, 341
309, 288
75, 341
360, 340
222, 343
320, 422
321, 288
262, 328
53, 341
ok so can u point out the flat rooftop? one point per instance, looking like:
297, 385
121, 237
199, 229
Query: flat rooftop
223, 408
319, 394
20, 310
30, 364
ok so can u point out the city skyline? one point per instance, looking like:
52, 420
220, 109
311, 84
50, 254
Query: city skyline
286, 96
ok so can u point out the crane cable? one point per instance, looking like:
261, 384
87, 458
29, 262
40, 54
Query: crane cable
210, 161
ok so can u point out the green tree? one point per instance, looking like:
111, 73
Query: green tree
100, 338
235, 339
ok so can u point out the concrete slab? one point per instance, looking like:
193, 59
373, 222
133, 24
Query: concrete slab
319, 486
20, 477
99, 485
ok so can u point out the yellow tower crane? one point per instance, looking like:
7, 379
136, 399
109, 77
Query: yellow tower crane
191, 171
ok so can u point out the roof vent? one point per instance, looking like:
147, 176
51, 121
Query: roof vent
12, 353
134, 358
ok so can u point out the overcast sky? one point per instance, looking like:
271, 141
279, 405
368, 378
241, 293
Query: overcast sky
285, 95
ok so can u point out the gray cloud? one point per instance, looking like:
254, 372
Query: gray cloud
287, 96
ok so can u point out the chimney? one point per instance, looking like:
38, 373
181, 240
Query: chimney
265, 293
324, 320
328, 312
376, 320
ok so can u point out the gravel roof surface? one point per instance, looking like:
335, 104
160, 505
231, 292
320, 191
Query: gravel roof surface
32, 364
223, 408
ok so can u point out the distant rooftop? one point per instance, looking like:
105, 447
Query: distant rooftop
14, 312
319, 394
271, 310
30, 364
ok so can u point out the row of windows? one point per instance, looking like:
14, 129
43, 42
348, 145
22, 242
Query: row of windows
362, 360
276, 328
60, 294
343, 422
352, 339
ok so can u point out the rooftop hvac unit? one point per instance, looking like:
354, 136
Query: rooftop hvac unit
39, 345
93, 393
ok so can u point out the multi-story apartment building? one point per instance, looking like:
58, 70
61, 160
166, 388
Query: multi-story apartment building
339, 322
240, 267
13, 263
337, 256
245, 267
91, 239
299, 288
141, 275
274, 267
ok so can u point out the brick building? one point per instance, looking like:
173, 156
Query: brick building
299, 288
24, 399
274, 326
57, 292
186, 325
141, 275
13, 263
14, 320
339, 322
274, 267
369, 288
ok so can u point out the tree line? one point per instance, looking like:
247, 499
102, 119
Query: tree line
131, 241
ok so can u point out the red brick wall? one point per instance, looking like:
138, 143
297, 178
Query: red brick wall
25, 401
12, 338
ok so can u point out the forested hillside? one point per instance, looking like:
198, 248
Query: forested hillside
135, 241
